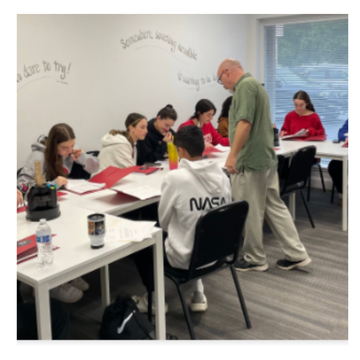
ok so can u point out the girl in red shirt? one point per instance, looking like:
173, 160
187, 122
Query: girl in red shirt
303, 117
204, 112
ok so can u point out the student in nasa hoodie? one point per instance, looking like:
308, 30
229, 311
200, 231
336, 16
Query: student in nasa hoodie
187, 193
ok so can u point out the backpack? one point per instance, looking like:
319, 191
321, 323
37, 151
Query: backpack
123, 321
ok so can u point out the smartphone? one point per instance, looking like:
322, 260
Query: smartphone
336, 141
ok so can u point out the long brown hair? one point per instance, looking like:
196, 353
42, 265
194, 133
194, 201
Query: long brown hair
132, 120
303, 95
53, 161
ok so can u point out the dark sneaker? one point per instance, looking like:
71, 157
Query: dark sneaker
288, 265
243, 265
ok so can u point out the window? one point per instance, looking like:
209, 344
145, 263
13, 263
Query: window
309, 56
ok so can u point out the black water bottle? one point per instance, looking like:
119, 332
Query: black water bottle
276, 137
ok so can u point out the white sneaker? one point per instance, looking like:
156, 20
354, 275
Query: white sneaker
198, 307
66, 293
80, 284
142, 304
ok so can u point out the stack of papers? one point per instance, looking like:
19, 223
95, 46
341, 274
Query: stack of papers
222, 148
82, 186
126, 230
141, 192
300, 133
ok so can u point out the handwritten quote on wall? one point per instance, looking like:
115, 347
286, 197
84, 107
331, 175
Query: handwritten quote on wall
55, 69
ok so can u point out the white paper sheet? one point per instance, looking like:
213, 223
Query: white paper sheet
135, 231
82, 186
140, 192
300, 133
222, 148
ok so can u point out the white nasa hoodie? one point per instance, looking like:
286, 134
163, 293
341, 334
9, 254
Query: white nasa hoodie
186, 193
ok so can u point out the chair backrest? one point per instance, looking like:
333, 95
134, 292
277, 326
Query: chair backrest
218, 234
281, 162
300, 168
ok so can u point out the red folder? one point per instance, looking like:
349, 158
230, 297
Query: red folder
146, 170
210, 149
345, 145
27, 248
111, 175
310, 138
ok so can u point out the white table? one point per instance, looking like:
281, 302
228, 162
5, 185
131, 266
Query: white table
327, 150
75, 258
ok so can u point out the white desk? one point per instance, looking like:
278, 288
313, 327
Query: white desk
75, 258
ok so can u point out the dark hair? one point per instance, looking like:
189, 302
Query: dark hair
132, 120
191, 139
167, 112
302, 95
203, 106
225, 108
59, 133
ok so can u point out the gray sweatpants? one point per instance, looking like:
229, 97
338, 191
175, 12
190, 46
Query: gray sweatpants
261, 190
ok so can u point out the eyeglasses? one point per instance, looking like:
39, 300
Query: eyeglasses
219, 79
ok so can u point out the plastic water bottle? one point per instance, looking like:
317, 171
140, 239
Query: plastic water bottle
44, 243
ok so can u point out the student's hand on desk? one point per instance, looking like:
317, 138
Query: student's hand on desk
283, 133
346, 141
19, 198
60, 181
230, 164
76, 153
168, 137
208, 144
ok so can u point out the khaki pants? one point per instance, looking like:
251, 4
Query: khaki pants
261, 190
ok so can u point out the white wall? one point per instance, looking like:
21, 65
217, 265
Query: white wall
99, 83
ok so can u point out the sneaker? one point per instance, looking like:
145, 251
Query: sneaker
66, 293
142, 304
198, 307
288, 265
80, 284
243, 265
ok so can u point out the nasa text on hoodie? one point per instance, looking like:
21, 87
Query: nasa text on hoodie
186, 193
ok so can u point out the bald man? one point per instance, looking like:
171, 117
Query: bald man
252, 164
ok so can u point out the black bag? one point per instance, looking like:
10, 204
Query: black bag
123, 321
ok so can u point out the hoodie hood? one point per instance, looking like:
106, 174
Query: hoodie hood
108, 140
37, 145
207, 172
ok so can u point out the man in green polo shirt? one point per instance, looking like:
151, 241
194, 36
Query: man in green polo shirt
252, 163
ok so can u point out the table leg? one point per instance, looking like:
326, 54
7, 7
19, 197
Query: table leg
159, 288
105, 285
292, 202
43, 318
345, 194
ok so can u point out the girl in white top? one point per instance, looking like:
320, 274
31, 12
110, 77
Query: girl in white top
119, 147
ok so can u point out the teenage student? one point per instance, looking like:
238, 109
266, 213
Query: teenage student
119, 147
303, 117
154, 146
223, 127
178, 217
335, 167
204, 112
59, 160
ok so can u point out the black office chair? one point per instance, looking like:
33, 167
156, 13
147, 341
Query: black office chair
218, 236
317, 164
298, 174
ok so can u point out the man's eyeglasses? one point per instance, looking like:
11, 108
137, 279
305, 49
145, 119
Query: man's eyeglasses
219, 79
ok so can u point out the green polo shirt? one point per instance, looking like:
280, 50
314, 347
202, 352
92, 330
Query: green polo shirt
251, 103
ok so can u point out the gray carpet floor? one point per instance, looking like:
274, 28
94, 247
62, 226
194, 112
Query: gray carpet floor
307, 304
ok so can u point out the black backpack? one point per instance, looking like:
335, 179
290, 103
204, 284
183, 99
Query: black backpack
123, 321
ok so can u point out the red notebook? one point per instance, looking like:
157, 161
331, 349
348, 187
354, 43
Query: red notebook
27, 248
111, 175
146, 170
209, 150
345, 145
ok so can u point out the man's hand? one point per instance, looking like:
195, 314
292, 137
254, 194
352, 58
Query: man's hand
76, 153
231, 163
168, 137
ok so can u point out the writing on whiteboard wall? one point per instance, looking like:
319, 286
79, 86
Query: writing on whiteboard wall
156, 35
196, 83
45, 69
